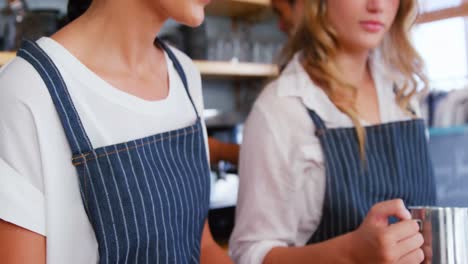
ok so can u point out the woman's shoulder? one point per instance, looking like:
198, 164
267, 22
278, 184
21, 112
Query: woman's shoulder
285, 93
20, 82
189, 67
192, 75
191, 71
278, 110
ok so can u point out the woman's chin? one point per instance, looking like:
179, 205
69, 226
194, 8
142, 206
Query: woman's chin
195, 19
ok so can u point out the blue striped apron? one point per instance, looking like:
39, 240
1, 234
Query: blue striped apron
146, 199
397, 166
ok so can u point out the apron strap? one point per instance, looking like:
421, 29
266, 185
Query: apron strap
179, 69
320, 126
71, 122
74, 130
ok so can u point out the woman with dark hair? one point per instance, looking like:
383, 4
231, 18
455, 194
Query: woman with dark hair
103, 154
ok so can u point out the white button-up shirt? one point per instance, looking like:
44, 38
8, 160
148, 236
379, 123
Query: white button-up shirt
282, 172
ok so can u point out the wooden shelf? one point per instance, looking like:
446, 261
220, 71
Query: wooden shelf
458, 11
237, 8
6, 56
215, 69
210, 68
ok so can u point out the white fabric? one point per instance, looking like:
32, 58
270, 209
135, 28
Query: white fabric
39, 187
282, 175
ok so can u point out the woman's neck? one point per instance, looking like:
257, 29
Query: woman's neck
121, 34
354, 67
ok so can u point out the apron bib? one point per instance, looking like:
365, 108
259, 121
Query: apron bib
147, 199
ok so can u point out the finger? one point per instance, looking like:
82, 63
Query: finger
416, 256
427, 249
403, 230
389, 208
409, 245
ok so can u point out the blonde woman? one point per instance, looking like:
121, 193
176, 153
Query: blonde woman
333, 150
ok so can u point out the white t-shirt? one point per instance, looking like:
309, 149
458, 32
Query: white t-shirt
39, 187
282, 171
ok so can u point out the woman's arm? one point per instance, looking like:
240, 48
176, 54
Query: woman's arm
336, 250
21, 246
223, 151
272, 197
374, 242
210, 251
21, 186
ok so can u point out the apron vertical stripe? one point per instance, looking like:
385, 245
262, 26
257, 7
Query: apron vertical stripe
184, 202
188, 150
148, 193
173, 204
109, 210
189, 190
351, 169
397, 166
95, 201
122, 212
163, 184
132, 201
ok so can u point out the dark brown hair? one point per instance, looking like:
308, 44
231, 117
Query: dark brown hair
76, 8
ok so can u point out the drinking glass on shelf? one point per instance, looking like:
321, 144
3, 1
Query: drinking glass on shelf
257, 47
212, 50
224, 48
267, 52
245, 45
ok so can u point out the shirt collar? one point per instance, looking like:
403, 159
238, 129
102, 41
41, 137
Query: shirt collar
295, 82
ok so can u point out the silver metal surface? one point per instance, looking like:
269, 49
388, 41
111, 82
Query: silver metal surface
445, 232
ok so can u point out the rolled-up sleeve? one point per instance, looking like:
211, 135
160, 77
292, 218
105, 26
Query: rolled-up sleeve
21, 203
265, 215
22, 200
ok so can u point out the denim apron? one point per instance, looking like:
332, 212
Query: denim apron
397, 165
147, 199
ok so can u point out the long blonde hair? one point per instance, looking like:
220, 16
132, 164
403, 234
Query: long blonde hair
318, 42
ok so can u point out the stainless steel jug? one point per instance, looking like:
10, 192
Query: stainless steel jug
445, 232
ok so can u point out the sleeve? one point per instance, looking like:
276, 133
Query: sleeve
265, 212
21, 181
